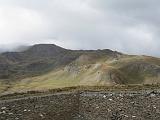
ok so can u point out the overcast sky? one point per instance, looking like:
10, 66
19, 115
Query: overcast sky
130, 26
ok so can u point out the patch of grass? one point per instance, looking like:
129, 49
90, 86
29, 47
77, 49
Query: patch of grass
116, 88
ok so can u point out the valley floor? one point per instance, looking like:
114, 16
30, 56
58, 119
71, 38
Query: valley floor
83, 105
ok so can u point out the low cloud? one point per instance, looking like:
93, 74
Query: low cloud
128, 26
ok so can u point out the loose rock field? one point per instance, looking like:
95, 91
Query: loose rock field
133, 105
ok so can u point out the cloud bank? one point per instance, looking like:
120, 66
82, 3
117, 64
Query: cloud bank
128, 26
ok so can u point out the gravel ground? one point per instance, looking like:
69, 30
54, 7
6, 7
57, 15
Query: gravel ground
141, 105
52, 107
120, 106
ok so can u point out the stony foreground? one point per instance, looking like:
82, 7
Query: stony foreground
142, 105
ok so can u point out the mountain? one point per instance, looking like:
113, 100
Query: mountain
47, 66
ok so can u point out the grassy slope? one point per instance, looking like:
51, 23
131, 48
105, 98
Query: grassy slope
96, 73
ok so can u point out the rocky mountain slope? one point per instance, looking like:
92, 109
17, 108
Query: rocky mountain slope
47, 66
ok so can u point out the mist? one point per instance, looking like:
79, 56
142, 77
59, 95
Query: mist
127, 26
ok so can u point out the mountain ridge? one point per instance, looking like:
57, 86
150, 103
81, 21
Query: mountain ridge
41, 53
45, 66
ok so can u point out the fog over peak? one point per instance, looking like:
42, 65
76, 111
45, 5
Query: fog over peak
127, 26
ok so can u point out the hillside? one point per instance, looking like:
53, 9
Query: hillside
47, 66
